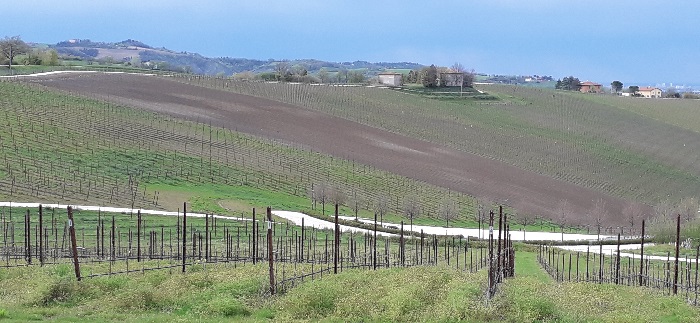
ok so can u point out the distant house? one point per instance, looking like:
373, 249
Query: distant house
451, 78
590, 87
391, 79
649, 92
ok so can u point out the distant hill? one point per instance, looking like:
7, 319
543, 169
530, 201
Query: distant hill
130, 50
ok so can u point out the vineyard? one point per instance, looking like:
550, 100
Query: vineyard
56, 146
103, 244
645, 150
90, 138
361, 130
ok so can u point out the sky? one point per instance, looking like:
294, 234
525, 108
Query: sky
642, 42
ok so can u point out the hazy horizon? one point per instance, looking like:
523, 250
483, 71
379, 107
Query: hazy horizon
601, 41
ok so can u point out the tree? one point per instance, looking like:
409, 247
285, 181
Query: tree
688, 208
281, 70
342, 76
135, 61
599, 213
457, 67
412, 77
33, 58
355, 202
336, 195
633, 213
633, 90
323, 75
672, 94
569, 83
411, 207
448, 210
381, 207
299, 70
320, 192
430, 77
11, 47
356, 76
480, 213
468, 78
244, 76
616, 86
564, 213
52, 58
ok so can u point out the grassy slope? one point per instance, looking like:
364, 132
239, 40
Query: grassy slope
533, 296
594, 141
224, 293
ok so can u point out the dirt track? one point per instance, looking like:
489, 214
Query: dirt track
402, 155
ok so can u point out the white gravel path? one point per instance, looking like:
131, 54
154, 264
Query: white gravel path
309, 221
515, 235
612, 249
67, 72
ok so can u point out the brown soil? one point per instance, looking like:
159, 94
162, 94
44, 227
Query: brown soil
421, 160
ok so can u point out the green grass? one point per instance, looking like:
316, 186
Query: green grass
532, 296
397, 295
219, 293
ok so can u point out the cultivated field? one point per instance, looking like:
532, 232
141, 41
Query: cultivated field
425, 139
644, 150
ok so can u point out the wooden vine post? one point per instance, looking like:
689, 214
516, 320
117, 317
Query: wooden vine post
73, 242
270, 253
336, 248
678, 244
641, 257
184, 236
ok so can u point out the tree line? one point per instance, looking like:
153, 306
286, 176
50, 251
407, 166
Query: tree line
14, 47
433, 76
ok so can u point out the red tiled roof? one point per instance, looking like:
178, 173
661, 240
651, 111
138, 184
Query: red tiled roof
590, 83
647, 89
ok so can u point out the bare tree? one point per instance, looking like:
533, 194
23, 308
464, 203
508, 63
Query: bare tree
457, 67
10, 47
663, 210
563, 213
633, 213
480, 212
321, 193
448, 210
598, 211
411, 207
281, 70
688, 208
525, 218
355, 202
381, 206
663, 224
336, 195
323, 75
312, 195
